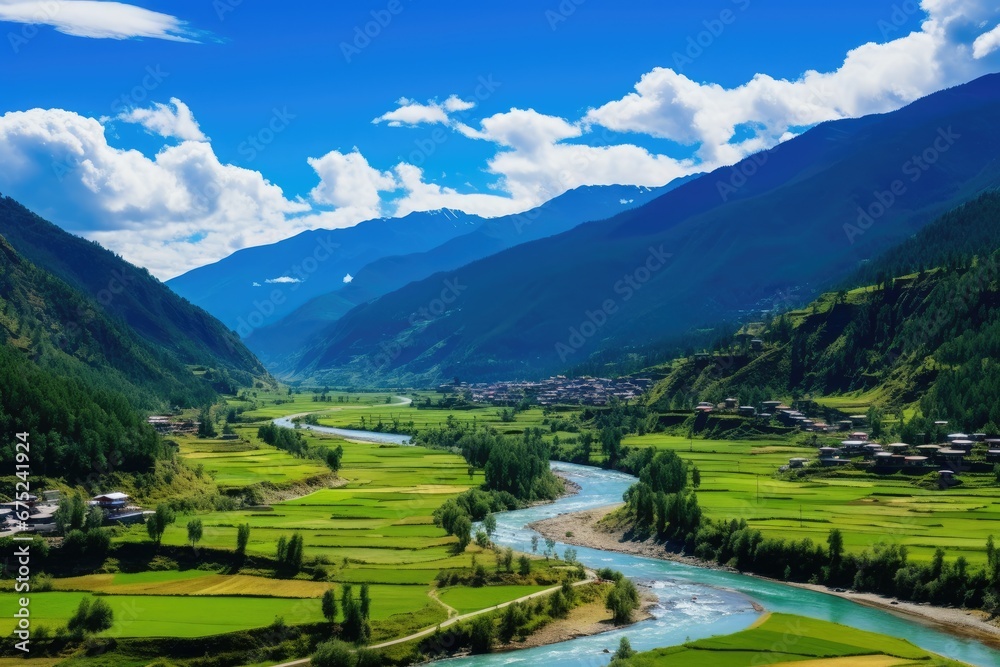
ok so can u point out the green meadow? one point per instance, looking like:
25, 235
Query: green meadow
783, 638
465, 599
738, 482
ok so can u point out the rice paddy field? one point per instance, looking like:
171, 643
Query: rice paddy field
783, 638
374, 525
238, 464
738, 482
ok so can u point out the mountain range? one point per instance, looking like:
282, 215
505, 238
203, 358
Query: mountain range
278, 344
768, 231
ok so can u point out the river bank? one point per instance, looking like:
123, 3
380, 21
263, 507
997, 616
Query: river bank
582, 529
587, 620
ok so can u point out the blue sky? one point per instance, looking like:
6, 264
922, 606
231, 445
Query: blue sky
146, 110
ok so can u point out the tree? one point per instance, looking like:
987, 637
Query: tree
463, 531
624, 651
622, 600
365, 601
482, 634
195, 531
281, 552
157, 522
524, 566
91, 617
490, 525
329, 605
534, 541
242, 538
695, 481
206, 429
94, 518
334, 653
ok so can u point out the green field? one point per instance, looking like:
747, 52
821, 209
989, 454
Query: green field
738, 482
247, 461
465, 599
782, 638
426, 418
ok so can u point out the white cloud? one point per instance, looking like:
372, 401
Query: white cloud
348, 279
283, 280
97, 19
347, 181
175, 211
176, 122
411, 113
986, 43
423, 196
874, 78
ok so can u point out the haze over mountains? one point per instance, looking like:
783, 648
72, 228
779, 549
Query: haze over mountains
799, 217
280, 342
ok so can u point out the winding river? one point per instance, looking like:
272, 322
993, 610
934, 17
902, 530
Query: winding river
693, 602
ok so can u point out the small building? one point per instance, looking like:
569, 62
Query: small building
732, 404
916, 461
993, 456
979, 437
770, 406
828, 452
111, 501
797, 462
965, 445
858, 420
747, 411
952, 437
859, 435
946, 478
756, 344
898, 447
852, 445
845, 425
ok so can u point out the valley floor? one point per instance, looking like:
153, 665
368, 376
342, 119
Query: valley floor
583, 529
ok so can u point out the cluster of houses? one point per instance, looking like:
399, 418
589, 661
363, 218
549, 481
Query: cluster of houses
172, 425
559, 390
116, 506
949, 459
785, 414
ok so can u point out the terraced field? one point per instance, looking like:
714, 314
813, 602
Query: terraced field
737, 482
250, 461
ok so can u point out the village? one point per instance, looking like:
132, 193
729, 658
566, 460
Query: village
558, 390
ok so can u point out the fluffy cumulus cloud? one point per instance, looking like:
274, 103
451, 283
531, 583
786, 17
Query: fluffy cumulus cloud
350, 184
950, 48
98, 19
174, 211
173, 120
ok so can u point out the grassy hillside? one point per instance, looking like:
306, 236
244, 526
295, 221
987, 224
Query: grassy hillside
131, 295
923, 341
